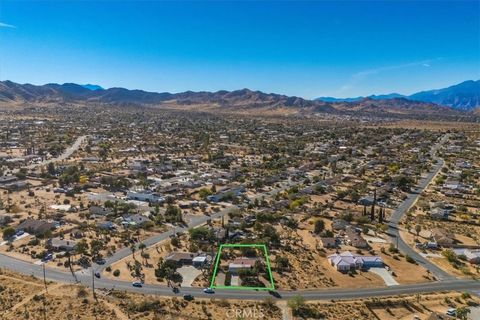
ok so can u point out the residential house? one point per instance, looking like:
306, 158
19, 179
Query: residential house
200, 261
472, 255
58, 244
366, 201
136, 220
339, 224
107, 225
225, 194
7, 179
442, 237
15, 186
100, 211
36, 227
347, 261
145, 195
241, 264
440, 213
354, 238
329, 242
182, 258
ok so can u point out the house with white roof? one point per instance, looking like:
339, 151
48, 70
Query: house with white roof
347, 261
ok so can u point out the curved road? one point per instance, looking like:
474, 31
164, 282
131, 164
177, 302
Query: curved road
447, 282
403, 208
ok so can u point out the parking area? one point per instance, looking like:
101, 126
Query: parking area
189, 273
386, 276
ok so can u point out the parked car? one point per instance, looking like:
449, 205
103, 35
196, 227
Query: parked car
47, 257
188, 297
209, 290
137, 284
452, 312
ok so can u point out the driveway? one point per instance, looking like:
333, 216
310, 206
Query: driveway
474, 313
374, 239
235, 281
189, 273
386, 276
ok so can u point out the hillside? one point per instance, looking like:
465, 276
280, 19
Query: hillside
464, 96
243, 100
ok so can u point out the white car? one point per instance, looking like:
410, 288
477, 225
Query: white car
209, 290
452, 312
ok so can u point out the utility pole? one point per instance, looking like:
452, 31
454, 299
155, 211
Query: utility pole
44, 277
46, 292
93, 284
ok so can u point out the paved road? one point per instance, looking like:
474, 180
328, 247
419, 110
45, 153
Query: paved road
323, 294
405, 206
65, 155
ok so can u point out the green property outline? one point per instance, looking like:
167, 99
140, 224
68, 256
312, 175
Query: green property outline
232, 245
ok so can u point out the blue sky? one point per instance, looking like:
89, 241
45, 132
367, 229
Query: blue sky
308, 49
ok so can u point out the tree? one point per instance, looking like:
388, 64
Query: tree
175, 242
319, 226
173, 214
51, 168
296, 303
418, 228
168, 270
282, 263
450, 255
142, 247
202, 234
82, 247
404, 183
95, 247
204, 193
8, 232
462, 312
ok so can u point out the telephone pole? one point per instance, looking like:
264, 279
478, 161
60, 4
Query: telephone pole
93, 283
44, 278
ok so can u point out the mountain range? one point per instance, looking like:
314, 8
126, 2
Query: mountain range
15, 94
462, 96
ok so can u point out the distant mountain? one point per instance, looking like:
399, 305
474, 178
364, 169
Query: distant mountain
374, 97
15, 94
70, 92
464, 96
332, 99
92, 87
